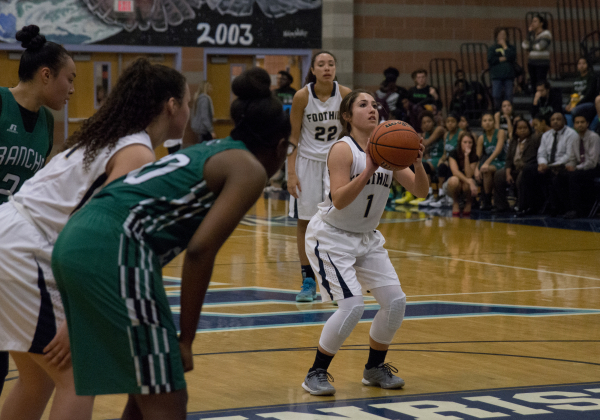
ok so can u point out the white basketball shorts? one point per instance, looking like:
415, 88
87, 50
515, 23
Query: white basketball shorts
311, 175
30, 304
345, 263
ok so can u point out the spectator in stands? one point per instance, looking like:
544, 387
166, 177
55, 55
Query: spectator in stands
390, 93
490, 150
433, 140
522, 152
424, 96
463, 123
538, 43
504, 118
501, 58
202, 113
463, 161
541, 124
553, 154
586, 89
582, 168
597, 102
462, 99
547, 100
443, 169
473, 88
408, 112
285, 92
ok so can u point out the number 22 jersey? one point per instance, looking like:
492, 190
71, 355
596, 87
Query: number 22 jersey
320, 124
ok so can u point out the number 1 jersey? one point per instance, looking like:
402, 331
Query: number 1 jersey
320, 124
364, 213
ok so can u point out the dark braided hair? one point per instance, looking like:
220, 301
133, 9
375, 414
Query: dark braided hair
138, 97
260, 121
39, 53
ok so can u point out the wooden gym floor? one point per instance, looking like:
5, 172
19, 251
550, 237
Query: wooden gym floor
503, 320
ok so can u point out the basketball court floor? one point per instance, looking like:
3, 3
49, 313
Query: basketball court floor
502, 321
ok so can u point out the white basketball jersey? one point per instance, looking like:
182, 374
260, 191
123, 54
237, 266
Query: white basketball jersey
364, 213
63, 185
320, 124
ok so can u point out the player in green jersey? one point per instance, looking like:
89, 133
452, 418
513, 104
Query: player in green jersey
123, 338
147, 106
46, 73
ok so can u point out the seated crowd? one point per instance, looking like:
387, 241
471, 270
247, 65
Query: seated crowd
506, 164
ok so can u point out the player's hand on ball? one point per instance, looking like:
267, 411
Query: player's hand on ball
187, 357
419, 158
371, 164
58, 352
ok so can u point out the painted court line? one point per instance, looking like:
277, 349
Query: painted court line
172, 292
496, 265
503, 291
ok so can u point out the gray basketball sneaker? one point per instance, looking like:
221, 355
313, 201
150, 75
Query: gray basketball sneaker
317, 383
382, 376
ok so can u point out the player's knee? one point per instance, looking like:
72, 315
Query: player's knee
453, 182
354, 315
396, 313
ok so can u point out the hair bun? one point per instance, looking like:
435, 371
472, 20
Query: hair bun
30, 37
254, 83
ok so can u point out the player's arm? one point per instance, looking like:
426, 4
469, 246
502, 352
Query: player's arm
498, 149
456, 171
417, 182
444, 157
437, 134
343, 190
296, 114
127, 159
479, 149
497, 120
238, 179
344, 91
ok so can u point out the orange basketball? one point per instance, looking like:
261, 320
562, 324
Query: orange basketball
394, 145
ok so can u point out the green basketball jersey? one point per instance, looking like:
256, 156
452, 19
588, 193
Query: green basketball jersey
22, 154
451, 142
163, 203
489, 146
436, 149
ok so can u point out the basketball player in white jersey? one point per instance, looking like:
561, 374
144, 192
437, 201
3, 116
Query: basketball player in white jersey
148, 105
315, 126
346, 251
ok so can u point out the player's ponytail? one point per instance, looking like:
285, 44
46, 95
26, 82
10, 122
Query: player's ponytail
260, 121
138, 98
38, 53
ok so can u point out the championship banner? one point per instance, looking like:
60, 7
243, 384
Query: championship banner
186, 23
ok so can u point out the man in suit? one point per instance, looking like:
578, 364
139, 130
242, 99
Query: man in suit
552, 156
581, 169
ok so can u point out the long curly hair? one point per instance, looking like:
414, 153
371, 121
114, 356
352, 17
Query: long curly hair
137, 98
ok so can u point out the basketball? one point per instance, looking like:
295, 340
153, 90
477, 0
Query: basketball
394, 145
